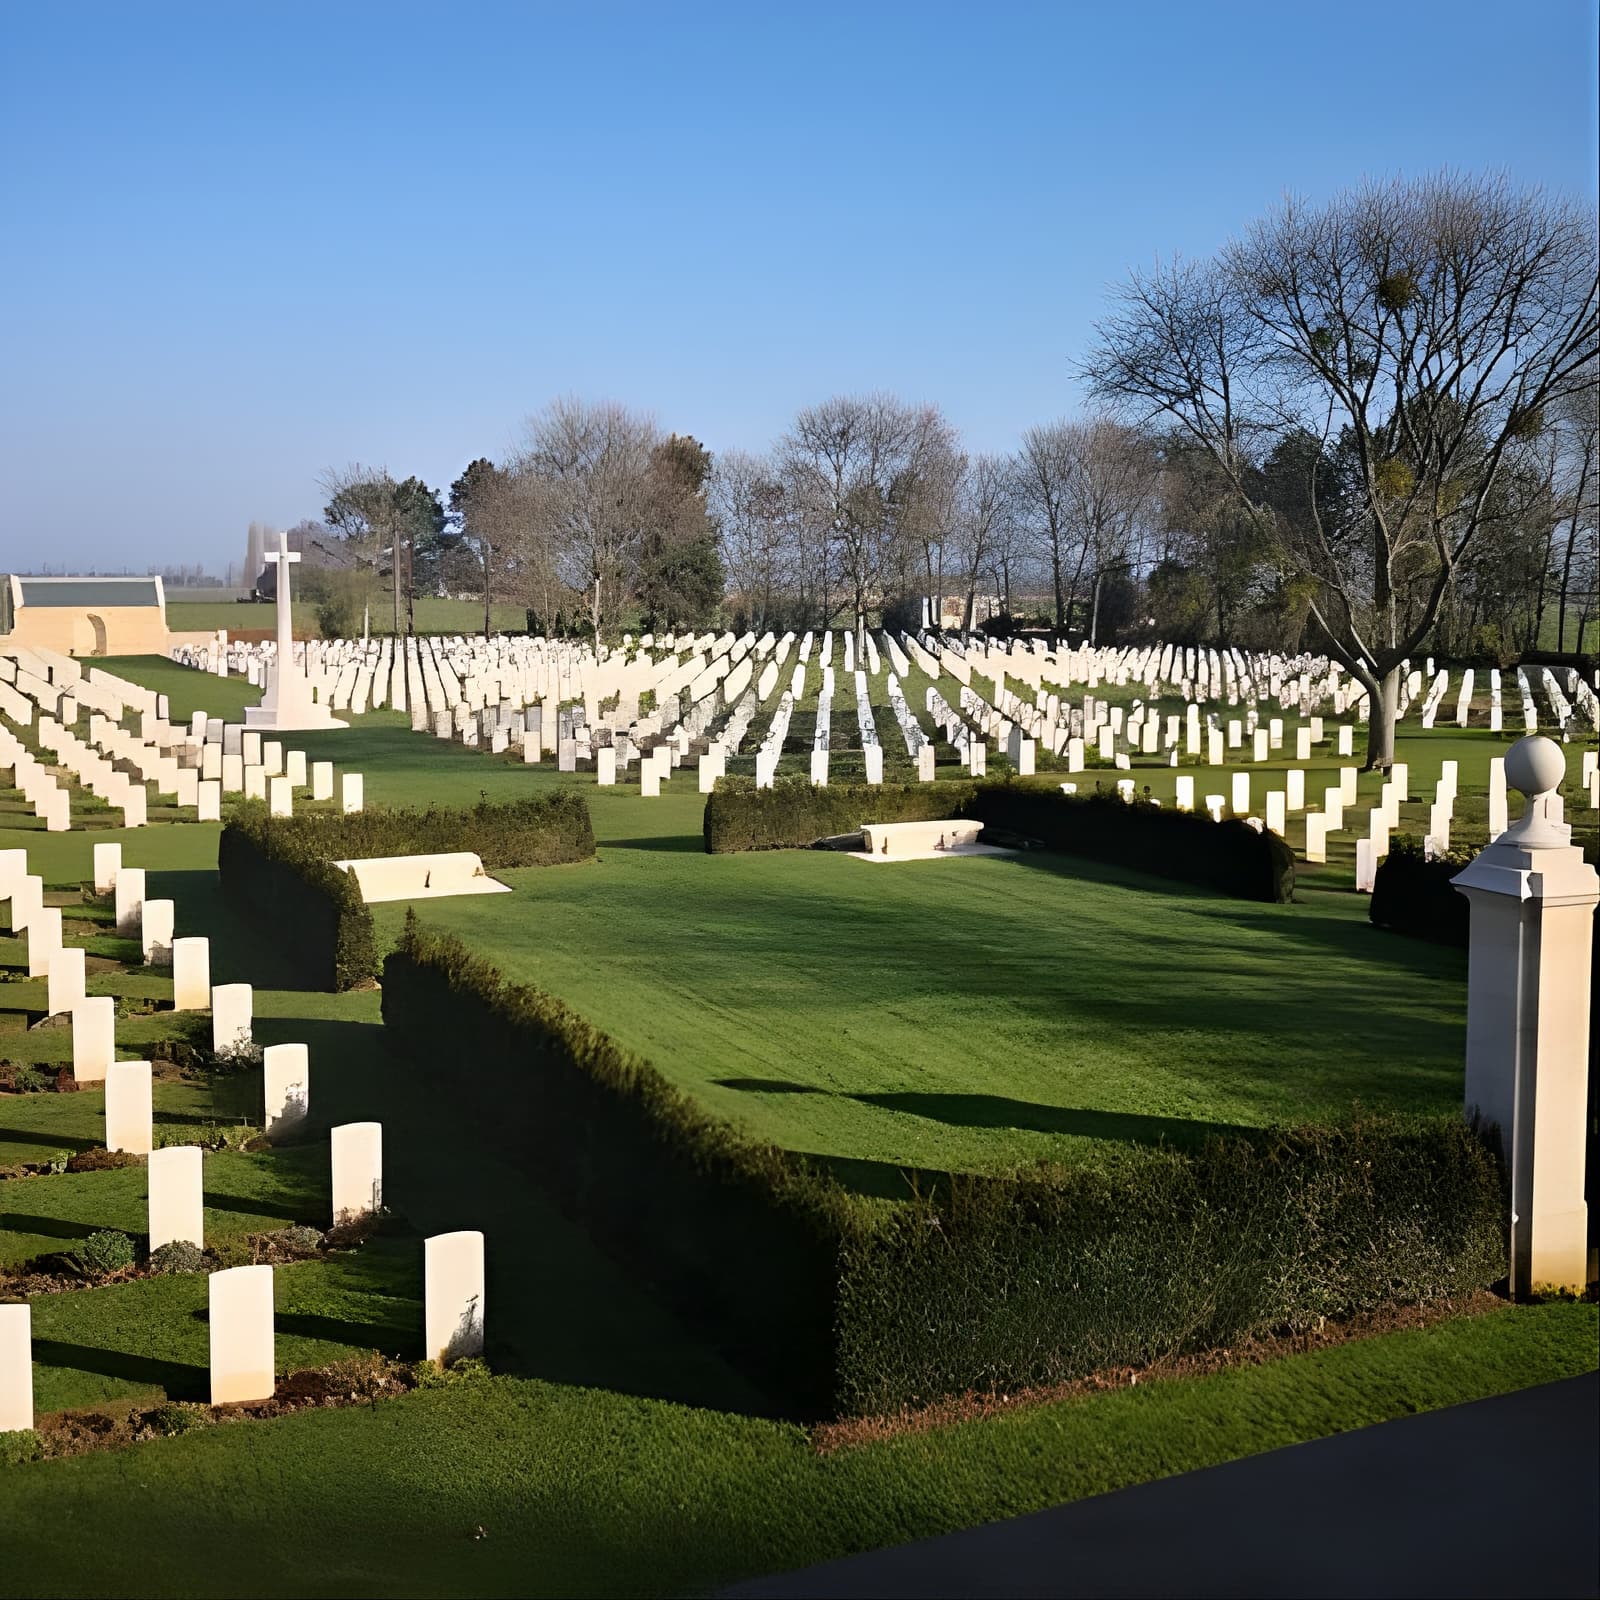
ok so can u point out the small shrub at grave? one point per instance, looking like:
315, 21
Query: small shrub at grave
794, 813
831, 1304
179, 1255
1230, 856
283, 867
101, 1160
1413, 895
103, 1253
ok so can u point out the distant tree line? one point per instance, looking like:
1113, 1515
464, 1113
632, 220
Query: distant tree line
1366, 428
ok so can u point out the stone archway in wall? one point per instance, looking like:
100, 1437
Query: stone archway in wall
89, 636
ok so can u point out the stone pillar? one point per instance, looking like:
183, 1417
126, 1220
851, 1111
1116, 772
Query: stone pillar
1533, 899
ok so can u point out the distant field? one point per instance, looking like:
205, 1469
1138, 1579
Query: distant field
433, 616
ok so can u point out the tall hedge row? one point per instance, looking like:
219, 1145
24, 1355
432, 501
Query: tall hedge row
314, 909
795, 813
283, 869
1413, 895
1229, 856
833, 1305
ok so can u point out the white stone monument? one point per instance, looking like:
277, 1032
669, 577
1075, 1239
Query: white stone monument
230, 1016
191, 974
287, 704
1533, 900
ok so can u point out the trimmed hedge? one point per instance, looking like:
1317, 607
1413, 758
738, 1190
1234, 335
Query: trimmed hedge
283, 867
321, 922
795, 813
1229, 856
833, 1304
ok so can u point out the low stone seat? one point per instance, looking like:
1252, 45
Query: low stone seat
890, 840
422, 877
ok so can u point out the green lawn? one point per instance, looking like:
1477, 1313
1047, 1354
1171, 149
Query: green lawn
432, 616
517, 1486
927, 1013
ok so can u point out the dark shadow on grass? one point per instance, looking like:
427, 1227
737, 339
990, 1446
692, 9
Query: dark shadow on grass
768, 1086
674, 843
42, 1136
883, 1180
999, 1111
179, 1381
263, 1208
393, 1339
48, 1227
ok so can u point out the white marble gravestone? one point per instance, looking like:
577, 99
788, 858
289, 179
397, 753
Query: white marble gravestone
107, 863
242, 1354
452, 1296
16, 1367
357, 1154
286, 1073
128, 1107
65, 982
44, 939
155, 932
94, 1027
191, 974
231, 1008
129, 893
177, 1195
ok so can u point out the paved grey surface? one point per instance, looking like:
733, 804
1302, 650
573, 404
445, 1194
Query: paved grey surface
1496, 1497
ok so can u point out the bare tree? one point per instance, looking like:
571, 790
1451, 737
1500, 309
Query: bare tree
1578, 429
1041, 471
586, 471
1110, 494
1420, 328
860, 471
363, 509
755, 532
980, 527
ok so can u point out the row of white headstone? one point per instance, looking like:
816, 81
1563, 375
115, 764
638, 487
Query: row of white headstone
196, 765
454, 1299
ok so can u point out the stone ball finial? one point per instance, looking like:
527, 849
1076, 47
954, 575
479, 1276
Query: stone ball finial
1535, 765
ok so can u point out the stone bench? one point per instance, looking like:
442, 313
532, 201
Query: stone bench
892, 839
421, 877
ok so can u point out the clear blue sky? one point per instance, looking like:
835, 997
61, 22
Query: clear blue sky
244, 242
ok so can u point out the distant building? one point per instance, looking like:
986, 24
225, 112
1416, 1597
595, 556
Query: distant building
84, 616
952, 609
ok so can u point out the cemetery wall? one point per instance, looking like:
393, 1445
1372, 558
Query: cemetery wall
833, 1304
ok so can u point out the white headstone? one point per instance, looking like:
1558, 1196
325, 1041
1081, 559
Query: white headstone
16, 1367
155, 933
65, 982
129, 892
129, 1107
191, 974
286, 1073
94, 1030
357, 1154
107, 862
242, 1353
453, 1296
177, 1195
231, 1015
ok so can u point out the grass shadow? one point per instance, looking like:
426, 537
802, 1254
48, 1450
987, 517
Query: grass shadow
46, 1227
179, 1381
